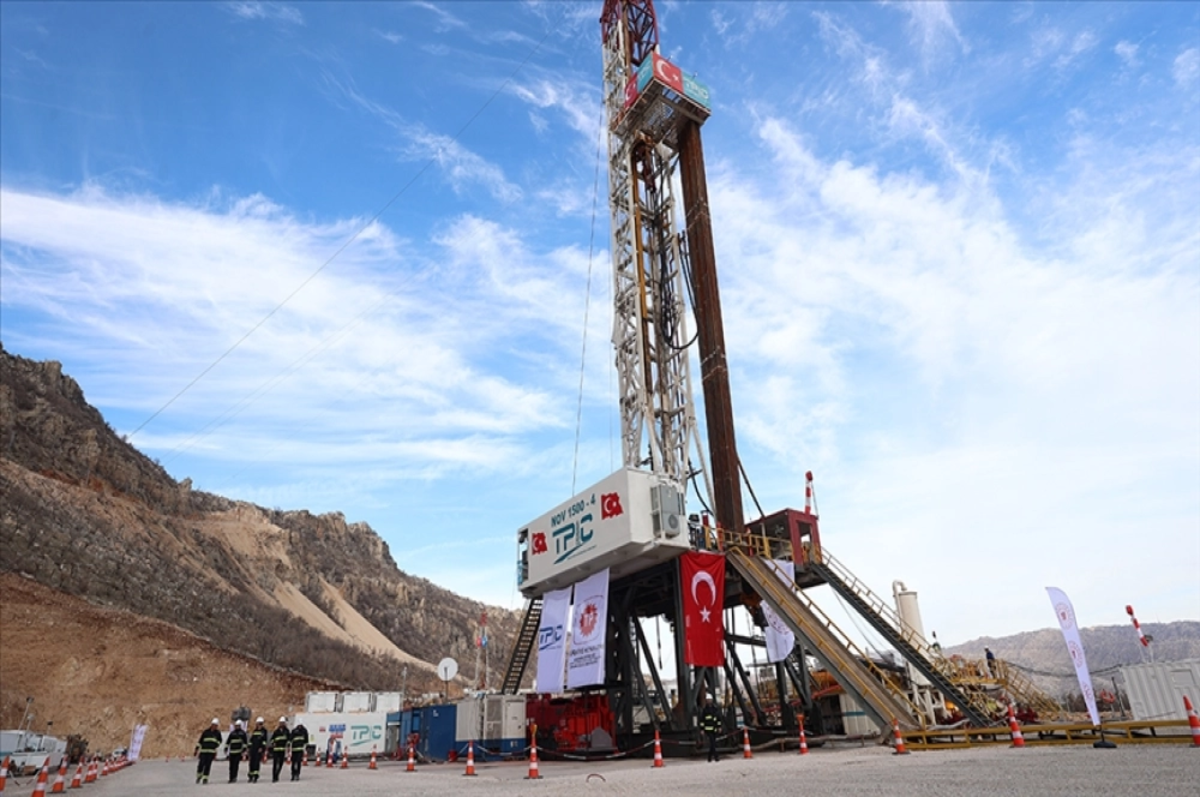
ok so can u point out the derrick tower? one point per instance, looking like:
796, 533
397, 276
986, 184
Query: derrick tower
660, 257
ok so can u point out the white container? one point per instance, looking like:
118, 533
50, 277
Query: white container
1156, 690
494, 722
628, 521
855, 721
320, 702
387, 701
356, 702
354, 733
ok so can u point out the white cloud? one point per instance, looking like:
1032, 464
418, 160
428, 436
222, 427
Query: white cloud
1128, 53
261, 9
932, 24
1186, 67
445, 20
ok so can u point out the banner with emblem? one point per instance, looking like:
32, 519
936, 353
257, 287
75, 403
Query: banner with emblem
1070, 631
552, 640
589, 632
702, 579
780, 639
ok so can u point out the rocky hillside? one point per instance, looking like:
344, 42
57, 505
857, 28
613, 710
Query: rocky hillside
1043, 655
82, 511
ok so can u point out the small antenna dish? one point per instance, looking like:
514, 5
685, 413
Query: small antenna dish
447, 668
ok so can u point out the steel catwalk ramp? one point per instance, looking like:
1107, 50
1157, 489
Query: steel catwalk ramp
526, 639
881, 699
903, 638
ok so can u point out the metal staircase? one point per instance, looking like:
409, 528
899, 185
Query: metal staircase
882, 699
906, 641
526, 639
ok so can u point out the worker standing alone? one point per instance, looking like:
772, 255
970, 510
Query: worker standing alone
258, 748
299, 741
710, 723
210, 741
279, 748
235, 746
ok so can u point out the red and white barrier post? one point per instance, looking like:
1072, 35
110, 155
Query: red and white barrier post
899, 738
1018, 739
1193, 721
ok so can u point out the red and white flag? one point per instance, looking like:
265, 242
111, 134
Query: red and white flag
702, 578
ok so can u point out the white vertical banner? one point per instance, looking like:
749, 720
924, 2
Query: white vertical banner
135, 743
589, 631
552, 640
780, 639
1070, 630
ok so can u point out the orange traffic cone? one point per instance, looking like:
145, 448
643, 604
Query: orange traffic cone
329, 760
304, 758
104, 769
1193, 721
345, 760
372, 765
1017, 737
533, 764
43, 776
412, 763
60, 780
803, 741
3, 773
90, 775
77, 781
658, 762
470, 759
746, 743
899, 738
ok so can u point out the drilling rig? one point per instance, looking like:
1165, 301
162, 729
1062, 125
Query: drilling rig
635, 523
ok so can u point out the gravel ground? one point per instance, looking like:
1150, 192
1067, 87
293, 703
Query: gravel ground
1142, 770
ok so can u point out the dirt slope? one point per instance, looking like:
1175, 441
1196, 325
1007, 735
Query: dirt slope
99, 672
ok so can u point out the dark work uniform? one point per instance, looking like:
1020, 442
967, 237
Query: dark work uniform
258, 745
210, 740
710, 723
235, 746
299, 740
279, 748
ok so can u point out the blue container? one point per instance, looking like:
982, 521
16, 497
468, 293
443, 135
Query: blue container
437, 731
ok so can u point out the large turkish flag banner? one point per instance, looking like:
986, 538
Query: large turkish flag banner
702, 579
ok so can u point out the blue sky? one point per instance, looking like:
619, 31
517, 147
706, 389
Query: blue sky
958, 250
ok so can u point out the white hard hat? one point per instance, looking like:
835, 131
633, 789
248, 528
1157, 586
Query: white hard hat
260, 719
238, 723
283, 719
215, 721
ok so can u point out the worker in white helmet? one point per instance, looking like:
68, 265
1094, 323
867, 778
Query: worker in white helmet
235, 748
258, 748
206, 749
280, 741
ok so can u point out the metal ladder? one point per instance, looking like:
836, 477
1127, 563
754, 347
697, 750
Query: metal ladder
903, 637
526, 639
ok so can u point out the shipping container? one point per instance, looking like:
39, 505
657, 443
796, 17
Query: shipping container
353, 702
436, 730
321, 702
1156, 690
628, 521
356, 734
496, 723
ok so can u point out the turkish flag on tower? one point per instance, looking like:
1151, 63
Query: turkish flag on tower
702, 579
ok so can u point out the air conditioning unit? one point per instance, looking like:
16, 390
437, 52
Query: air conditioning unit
666, 507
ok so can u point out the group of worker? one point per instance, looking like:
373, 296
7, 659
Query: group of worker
254, 746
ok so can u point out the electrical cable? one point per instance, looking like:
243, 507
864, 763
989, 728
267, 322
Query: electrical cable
345, 245
587, 304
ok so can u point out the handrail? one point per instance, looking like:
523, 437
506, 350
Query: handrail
779, 591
